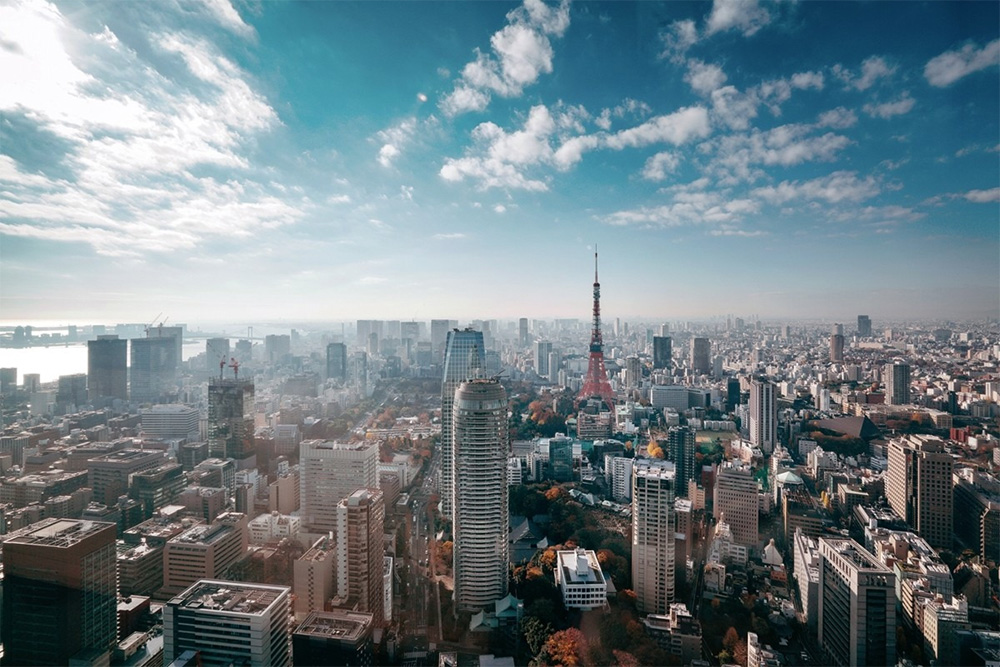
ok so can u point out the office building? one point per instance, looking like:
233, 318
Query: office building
336, 362
653, 486
229, 623
561, 459
856, 605
337, 638
542, 350
204, 551
977, 510
763, 412
580, 579
735, 502
837, 348
465, 358
315, 577
522, 332
155, 362
60, 592
8, 381
72, 393
480, 522
170, 421
329, 472
277, 347
107, 368
662, 352
680, 448
360, 524
701, 353
231, 421
439, 336
157, 487
897, 383
216, 355
919, 487
109, 475
864, 326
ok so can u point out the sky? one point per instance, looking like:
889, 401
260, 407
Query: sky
226, 161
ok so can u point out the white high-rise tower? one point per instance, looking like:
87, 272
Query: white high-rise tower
653, 484
464, 359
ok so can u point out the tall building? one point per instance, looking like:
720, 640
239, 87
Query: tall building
315, 578
204, 551
336, 362
340, 637
155, 361
480, 522
977, 510
465, 359
72, 393
107, 368
229, 623
596, 381
653, 485
231, 420
109, 475
360, 524
856, 605
919, 487
439, 336
216, 353
522, 332
837, 348
329, 472
60, 592
897, 383
732, 394
170, 421
701, 355
735, 501
864, 326
276, 347
763, 412
680, 449
662, 352
542, 350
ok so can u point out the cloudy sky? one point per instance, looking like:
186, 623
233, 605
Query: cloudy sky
334, 160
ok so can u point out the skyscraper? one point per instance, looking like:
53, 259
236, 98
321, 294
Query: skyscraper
763, 412
662, 352
465, 358
329, 472
231, 420
480, 522
897, 383
864, 326
439, 336
336, 362
653, 485
542, 349
919, 487
107, 368
60, 592
216, 352
701, 353
857, 605
735, 502
837, 348
154, 369
596, 381
680, 449
522, 332
360, 524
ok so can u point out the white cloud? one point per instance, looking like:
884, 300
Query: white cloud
394, 139
659, 166
520, 53
688, 209
733, 108
889, 109
839, 118
836, 188
453, 236
704, 77
990, 196
872, 69
745, 15
338, 199
787, 145
678, 38
499, 208
421, 97
406, 192
379, 225
572, 150
677, 128
387, 154
950, 66
227, 16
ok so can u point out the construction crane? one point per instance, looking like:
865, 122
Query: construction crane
235, 365
222, 365
149, 326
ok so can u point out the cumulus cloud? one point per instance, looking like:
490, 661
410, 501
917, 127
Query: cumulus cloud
950, 66
839, 118
704, 77
889, 109
678, 38
393, 139
836, 188
659, 166
872, 70
747, 16
737, 156
675, 128
688, 209
990, 196
520, 53
227, 16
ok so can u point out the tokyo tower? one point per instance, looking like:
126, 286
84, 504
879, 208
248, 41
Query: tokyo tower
596, 382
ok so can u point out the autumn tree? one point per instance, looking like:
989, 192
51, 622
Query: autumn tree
565, 647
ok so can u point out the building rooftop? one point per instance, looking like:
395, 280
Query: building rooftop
228, 596
853, 552
61, 533
340, 624
580, 566
654, 468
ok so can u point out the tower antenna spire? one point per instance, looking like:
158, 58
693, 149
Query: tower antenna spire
595, 263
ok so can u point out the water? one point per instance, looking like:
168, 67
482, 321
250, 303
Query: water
53, 361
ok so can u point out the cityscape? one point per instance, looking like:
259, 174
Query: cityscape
498, 334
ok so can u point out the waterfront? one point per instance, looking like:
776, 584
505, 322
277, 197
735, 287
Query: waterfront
54, 360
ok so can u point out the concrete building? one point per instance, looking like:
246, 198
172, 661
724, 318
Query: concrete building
107, 368
653, 484
329, 472
919, 486
618, 474
763, 411
229, 623
360, 525
662, 352
216, 353
108, 475
273, 526
857, 606
464, 359
701, 356
805, 569
734, 485
170, 421
678, 633
157, 487
580, 580
542, 350
977, 510
663, 396
864, 326
204, 551
315, 579
337, 638
680, 449
231, 421
837, 348
480, 520
59, 592
897, 383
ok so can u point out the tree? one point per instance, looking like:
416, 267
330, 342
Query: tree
536, 633
654, 450
731, 638
625, 659
565, 648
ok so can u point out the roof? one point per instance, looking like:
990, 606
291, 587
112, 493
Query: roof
856, 427
789, 477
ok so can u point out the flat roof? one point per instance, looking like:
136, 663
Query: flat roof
58, 532
338, 624
228, 596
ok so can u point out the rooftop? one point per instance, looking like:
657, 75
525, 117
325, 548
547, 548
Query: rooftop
58, 532
341, 624
228, 596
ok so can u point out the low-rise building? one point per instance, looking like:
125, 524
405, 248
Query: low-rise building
580, 579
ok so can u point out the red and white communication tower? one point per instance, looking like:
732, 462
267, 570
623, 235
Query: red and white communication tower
596, 382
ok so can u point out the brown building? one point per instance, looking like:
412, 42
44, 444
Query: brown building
919, 487
360, 524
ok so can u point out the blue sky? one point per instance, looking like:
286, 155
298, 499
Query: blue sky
337, 160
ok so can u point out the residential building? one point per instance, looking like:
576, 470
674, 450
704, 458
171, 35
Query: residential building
763, 411
580, 580
734, 485
678, 633
360, 564
977, 510
805, 569
919, 486
680, 448
329, 472
897, 383
653, 485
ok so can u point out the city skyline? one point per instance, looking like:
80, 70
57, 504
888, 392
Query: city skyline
294, 162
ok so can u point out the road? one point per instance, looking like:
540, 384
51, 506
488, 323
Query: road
422, 613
